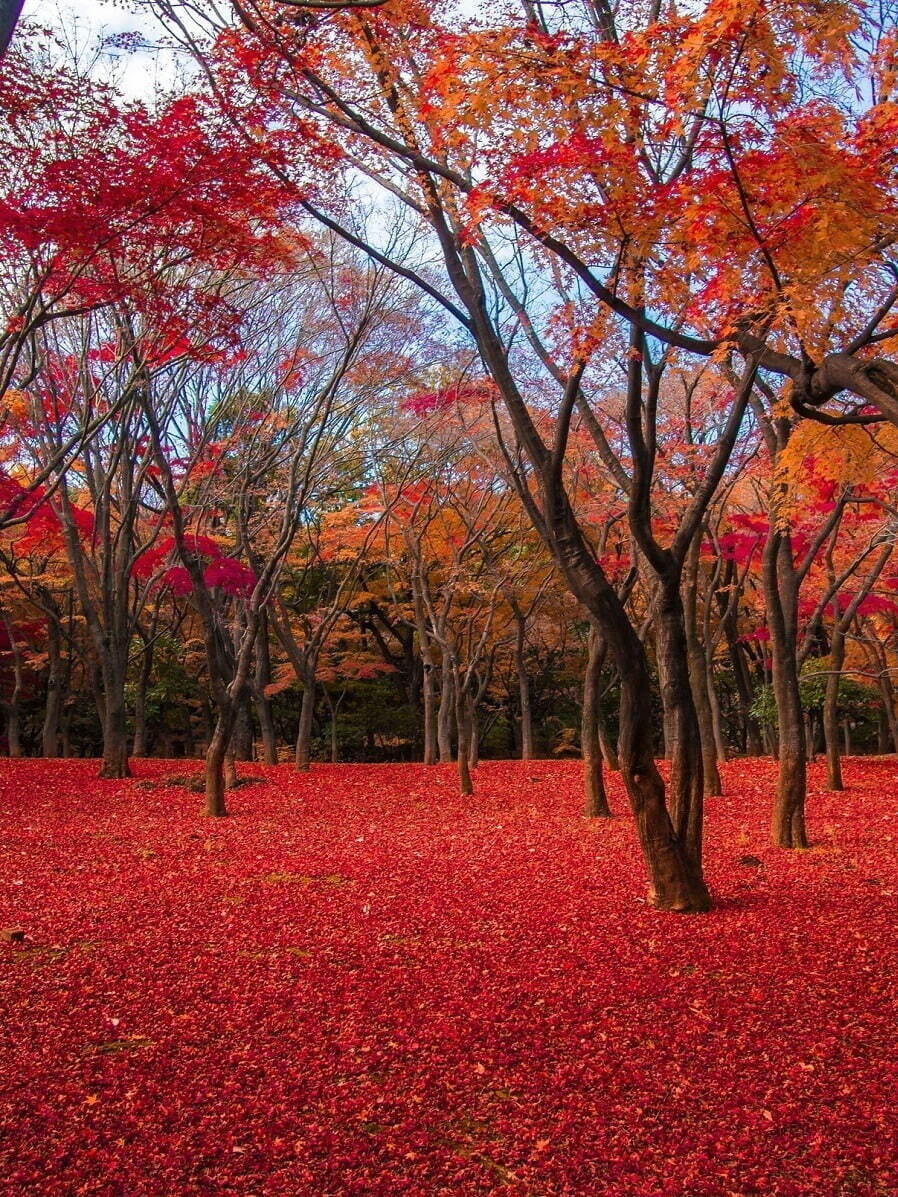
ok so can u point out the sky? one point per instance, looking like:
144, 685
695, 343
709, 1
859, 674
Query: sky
92, 17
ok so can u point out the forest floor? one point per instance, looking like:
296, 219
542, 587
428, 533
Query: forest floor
363, 984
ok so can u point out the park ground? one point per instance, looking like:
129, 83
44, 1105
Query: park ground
360, 983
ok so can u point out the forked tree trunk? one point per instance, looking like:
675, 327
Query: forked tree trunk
684, 749
788, 828
674, 869
596, 799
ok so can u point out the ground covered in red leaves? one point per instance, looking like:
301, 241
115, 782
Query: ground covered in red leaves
363, 984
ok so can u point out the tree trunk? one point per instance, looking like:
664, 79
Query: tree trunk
13, 705
216, 756
263, 703
242, 735
332, 709
523, 689
306, 714
596, 799
607, 745
50, 733
13, 728
473, 732
674, 869
445, 714
463, 732
720, 744
684, 748
115, 727
139, 744
788, 828
429, 700
698, 674
752, 735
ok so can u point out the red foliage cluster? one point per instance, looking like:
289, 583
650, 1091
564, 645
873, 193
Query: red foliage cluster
425, 403
223, 573
40, 525
362, 983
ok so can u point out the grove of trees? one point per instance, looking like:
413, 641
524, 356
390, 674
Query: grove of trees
428, 384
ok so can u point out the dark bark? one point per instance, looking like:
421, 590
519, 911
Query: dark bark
263, 703
788, 828
115, 724
139, 745
216, 756
242, 735
523, 686
446, 713
831, 711
306, 716
698, 674
50, 732
463, 733
684, 750
596, 798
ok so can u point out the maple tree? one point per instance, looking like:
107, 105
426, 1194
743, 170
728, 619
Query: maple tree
599, 244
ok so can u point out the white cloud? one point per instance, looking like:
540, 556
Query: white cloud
138, 73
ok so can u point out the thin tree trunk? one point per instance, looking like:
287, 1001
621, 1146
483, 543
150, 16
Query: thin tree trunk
463, 729
306, 715
216, 757
429, 702
333, 708
888, 702
596, 798
788, 828
720, 743
523, 689
684, 748
50, 739
263, 703
433, 745
139, 744
12, 706
445, 714
698, 674
473, 732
